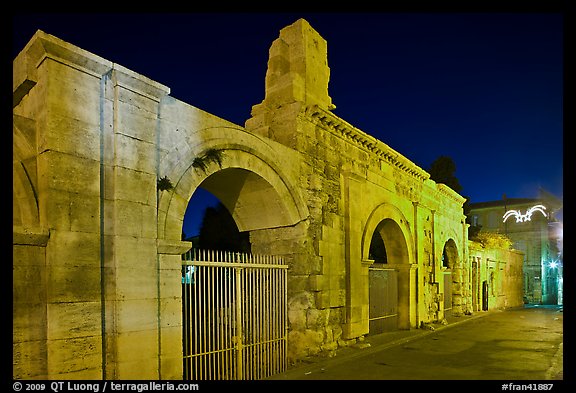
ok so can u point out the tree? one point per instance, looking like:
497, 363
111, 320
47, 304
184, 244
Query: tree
442, 170
220, 232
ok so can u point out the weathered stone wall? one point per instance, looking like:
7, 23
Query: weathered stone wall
91, 141
351, 182
90, 162
501, 270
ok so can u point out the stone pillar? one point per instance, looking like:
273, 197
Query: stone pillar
297, 77
356, 272
58, 87
29, 314
134, 304
418, 279
96, 125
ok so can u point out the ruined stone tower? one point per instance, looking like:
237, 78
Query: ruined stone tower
97, 244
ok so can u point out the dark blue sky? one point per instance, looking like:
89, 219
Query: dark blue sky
485, 89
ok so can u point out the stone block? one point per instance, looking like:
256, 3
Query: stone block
171, 312
134, 184
301, 301
135, 315
29, 360
317, 282
135, 345
72, 248
75, 358
26, 255
137, 123
145, 368
74, 136
29, 322
135, 154
171, 367
297, 319
134, 282
84, 213
72, 94
171, 343
73, 283
74, 320
28, 288
317, 319
128, 218
134, 252
66, 172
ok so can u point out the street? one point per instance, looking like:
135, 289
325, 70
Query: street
518, 344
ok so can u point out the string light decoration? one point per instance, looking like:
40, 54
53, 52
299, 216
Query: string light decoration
527, 216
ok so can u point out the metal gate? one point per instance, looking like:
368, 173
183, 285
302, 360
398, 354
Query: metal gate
234, 315
383, 299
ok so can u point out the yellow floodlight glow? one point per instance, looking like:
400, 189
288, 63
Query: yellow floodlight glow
527, 216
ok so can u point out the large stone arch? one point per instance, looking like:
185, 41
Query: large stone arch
389, 221
259, 191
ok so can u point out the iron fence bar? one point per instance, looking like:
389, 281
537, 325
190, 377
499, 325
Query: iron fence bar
236, 315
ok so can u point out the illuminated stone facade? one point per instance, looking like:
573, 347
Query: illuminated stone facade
535, 231
97, 246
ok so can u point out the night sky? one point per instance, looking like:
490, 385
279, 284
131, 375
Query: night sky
485, 89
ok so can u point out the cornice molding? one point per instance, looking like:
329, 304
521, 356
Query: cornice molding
364, 141
44, 46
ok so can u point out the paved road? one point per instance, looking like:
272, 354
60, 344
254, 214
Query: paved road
518, 344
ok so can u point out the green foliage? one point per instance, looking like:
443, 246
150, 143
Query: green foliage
212, 155
493, 240
164, 184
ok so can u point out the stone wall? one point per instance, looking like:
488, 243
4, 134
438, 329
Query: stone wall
97, 245
501, 270
351, 182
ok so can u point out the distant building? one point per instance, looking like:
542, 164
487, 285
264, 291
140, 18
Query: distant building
535, 230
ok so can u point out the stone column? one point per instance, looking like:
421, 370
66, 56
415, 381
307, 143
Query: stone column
357, 291
134, 307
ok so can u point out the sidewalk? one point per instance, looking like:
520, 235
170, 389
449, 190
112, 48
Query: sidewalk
369, 345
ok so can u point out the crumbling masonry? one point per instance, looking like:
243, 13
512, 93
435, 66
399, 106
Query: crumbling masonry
97, 247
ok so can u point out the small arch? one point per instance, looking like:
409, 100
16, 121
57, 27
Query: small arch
388, 243
388, 283
450, 256
388, 221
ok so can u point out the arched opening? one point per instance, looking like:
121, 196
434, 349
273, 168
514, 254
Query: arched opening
231, 293
388, 248
450, 276
208, 225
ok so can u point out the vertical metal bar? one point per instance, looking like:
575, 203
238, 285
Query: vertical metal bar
210, 318
189, 326
228, 337
239, 373
185, 322
263, 322
202, 322
248, 298
265, 316
252, 325
219, 325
